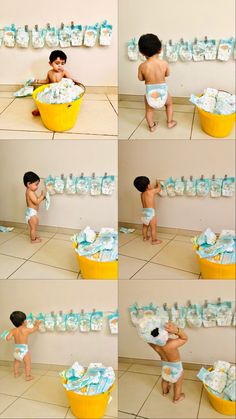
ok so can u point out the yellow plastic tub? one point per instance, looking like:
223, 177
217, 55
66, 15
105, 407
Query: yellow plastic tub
218, 126
89, 407
91, 269
211, 270
58, 117
225, 407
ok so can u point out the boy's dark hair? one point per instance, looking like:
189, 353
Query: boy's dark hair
30, 177
149, 45
57, 53
17, 318
155, 332
141, 183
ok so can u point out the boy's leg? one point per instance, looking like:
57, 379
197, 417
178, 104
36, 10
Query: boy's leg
145, 232
27, 362
165, 385
149, 114
169, 112
153, 226
16, 366
33, 224
178, 395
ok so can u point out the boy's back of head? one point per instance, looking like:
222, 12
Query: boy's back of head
18, 318
141, 183
30, 177
57, 54
149, 45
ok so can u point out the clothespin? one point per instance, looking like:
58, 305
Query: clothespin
71, 311
60, 312
191, 178
213, 177
71, 175
26, 28
165, 306
48, 26
72, 25
62, 25
36, 27
82, 174
205, 39
62, 176
181, 41
225, 176
93, 175
182, 178
206, 303
105, 175
195, 40
218, 300
82, 311
176, 306
94, 310
189, 304
170, 42
202, 177
52, 313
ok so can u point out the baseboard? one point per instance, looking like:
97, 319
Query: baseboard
167, 230
157, 363
139, 98
49, 229
53, 367
112, 90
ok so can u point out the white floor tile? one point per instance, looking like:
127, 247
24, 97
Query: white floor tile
57, 253
180, 255
49, 390
29, 409
8, 265
142, 250
33, 270
128, 122
155, 271
21, 247
5, 401
129, 266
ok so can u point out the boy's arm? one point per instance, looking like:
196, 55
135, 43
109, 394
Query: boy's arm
35, 328
37, 199
167, 73
182, 337
157, 187
10, 335
140, 73
68, 76
39, 81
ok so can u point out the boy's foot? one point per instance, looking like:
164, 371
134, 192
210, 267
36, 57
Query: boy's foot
156, 241
17, 374
29, 377
180, 398
171, 124
145, 239
36, 240
35, 112
153, 127
167, 391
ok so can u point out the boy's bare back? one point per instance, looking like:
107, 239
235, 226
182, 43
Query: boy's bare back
20, 334
153, 71
147, 197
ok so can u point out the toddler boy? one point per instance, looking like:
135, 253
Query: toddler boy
31, 181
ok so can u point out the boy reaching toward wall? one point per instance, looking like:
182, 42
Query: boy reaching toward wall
172, 369
154, 71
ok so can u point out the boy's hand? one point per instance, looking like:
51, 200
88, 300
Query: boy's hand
43, 193
170, 328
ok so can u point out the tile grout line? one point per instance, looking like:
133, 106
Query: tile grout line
111, 104
148, 396
199, 406
9, 104
129, 138
191, 132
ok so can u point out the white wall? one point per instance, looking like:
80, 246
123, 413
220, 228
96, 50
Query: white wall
205, 345
46, 158
95, 66
61, 348
173, 20
162, 159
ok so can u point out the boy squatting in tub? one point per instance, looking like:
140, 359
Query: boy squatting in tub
57, 61
154, 71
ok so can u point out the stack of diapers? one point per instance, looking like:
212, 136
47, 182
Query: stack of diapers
217, 249
221, 380
151, 329
215, 101
65, 91
99, 247
96, 379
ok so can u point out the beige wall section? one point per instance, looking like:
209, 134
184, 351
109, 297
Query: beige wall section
95, 66
46, 158
162, 159
61, 348
205, 345
174, 20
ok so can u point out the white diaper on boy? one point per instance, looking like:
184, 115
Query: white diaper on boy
147, 215
30, 212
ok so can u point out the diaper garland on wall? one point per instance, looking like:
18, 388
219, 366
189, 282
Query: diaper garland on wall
52, 36
209, 314
82, 185
197, 50
202, 187
72, 322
